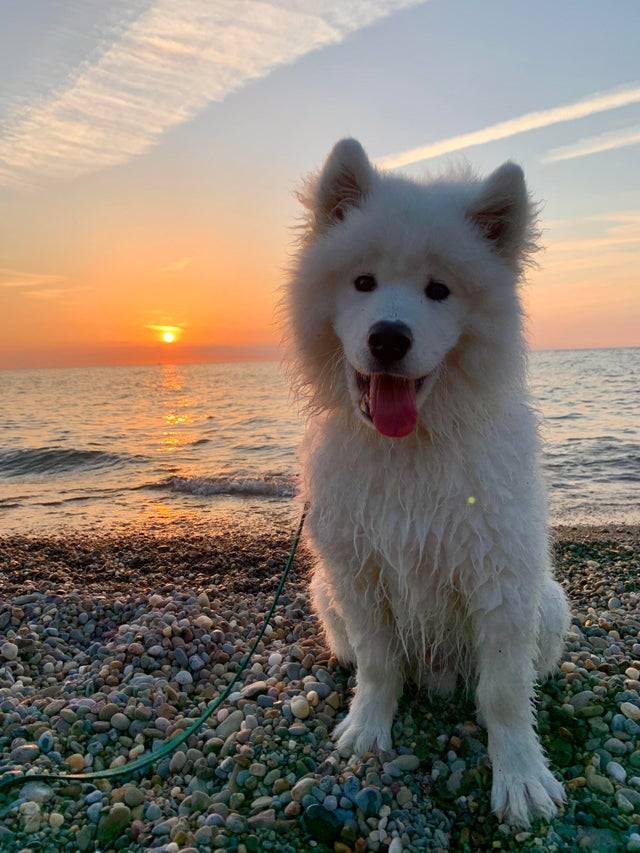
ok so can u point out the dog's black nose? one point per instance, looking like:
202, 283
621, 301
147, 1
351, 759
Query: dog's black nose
389, 341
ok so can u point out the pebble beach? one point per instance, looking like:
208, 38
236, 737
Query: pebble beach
112, 643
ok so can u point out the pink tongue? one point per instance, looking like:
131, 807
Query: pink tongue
392, 403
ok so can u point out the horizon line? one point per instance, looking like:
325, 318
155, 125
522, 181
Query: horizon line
268, 360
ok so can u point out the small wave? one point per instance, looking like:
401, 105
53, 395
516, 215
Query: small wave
269, 486
571, 416
54, 460
200, 441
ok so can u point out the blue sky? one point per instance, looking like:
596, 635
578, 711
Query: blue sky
158, 124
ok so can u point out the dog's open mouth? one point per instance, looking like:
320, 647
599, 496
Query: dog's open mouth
389, 402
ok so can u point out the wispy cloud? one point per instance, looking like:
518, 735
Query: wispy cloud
597, 103
38, 285
155, 327
607, 240
620, 218
177, 266
50, 292
10, 279
170, 62
595, 144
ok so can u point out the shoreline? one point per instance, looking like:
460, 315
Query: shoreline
114, 559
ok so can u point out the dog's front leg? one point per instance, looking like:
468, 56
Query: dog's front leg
505, 647
379, 678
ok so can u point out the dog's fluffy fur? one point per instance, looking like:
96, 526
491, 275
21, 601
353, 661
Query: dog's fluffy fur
432, 550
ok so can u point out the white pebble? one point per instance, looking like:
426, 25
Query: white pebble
300, 707
55, 820
631, 711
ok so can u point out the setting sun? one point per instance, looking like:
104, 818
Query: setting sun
166, 334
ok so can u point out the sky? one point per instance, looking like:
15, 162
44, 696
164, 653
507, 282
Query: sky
149, 151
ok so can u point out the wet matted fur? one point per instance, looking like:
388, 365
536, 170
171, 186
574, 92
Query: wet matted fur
432, 549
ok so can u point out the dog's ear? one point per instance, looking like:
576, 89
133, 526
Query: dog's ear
503, 212
344, 181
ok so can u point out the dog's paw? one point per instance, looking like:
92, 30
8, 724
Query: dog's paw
357, 734
518, 798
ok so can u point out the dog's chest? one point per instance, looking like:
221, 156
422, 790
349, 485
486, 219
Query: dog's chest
393, 490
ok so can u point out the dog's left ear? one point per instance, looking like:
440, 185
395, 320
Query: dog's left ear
503, 212
344, 182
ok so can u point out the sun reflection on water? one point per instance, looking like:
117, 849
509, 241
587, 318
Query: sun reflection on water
177, 405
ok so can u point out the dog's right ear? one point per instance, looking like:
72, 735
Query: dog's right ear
344, 181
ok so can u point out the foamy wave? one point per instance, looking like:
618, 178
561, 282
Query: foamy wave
265, 487
53, 460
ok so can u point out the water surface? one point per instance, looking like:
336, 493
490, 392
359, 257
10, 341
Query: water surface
206, 445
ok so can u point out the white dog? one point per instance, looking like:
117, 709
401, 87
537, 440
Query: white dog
428, 516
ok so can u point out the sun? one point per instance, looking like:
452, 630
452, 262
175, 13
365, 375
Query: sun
167, 334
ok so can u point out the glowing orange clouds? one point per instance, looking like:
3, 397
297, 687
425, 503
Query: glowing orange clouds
167, 334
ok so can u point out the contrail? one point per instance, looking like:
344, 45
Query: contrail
597, 103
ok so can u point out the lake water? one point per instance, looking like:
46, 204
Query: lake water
200, 446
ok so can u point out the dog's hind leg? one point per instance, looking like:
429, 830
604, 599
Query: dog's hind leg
552, 628
333, 624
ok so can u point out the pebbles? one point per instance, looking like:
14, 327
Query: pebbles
300, 707
630, 710
184, 678
25, 754
230, 724
113, 824
369, 800
9, 651
99, 678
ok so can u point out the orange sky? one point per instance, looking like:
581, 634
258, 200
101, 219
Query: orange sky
150, 186
124, 279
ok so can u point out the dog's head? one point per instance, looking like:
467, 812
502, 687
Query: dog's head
403, 287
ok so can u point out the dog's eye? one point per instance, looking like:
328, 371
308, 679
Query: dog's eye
437, 290
364, 283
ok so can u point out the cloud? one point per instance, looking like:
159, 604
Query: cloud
56, 291
37, 285
165, 67
28, 280
597, 103
177, 266
159, 328
607, 240
594, 145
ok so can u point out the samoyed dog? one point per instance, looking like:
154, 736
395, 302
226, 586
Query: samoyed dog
427, 515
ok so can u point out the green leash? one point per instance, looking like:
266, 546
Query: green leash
15, 776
